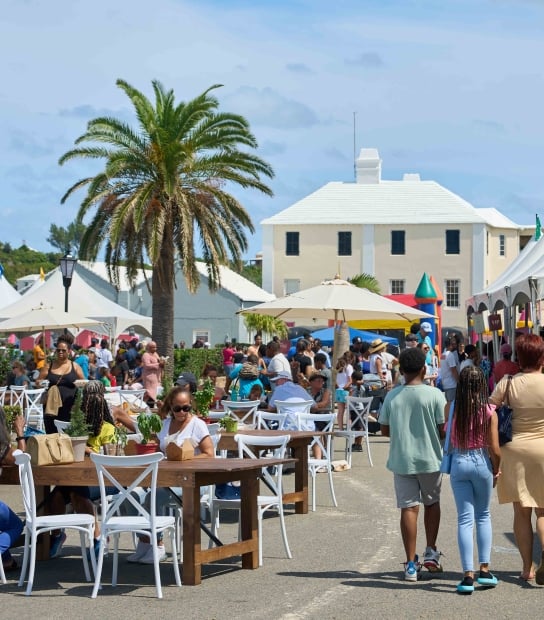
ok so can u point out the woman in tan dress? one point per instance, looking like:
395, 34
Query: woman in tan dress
522, 460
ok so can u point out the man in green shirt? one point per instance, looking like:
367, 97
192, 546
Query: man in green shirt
413, 417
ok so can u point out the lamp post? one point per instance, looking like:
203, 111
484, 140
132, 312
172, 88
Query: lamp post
67, 265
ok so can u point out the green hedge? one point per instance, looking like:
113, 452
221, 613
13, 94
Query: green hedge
194, 360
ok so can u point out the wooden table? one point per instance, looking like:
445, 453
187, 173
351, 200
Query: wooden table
190, 475
299, 442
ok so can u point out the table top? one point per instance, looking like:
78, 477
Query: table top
191, 473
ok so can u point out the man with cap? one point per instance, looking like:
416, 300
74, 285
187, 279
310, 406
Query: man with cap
423, 337
505, 366
187, 380
285, 389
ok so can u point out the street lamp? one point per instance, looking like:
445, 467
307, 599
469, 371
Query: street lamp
67, 265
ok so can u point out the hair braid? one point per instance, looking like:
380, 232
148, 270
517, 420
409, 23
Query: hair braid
471, 400
95, 407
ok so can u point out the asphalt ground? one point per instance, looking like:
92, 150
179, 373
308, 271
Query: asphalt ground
347, 562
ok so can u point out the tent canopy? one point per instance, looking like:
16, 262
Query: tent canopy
8, 295
84, 301
327, 336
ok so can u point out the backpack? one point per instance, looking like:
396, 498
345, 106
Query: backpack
248, 371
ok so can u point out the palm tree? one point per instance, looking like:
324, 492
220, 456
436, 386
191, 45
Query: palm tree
365, 280
162, 191
267, 324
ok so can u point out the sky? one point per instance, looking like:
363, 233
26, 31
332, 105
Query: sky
451, 89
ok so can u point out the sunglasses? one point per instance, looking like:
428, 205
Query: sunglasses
179, 408
62, 350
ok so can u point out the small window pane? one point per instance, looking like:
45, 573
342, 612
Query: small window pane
397, 287
397, 242
453, 242
291, 286
452, 293
291, 244
502, 245
344, 244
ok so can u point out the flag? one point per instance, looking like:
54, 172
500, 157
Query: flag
42, 274
538, 231
1, 270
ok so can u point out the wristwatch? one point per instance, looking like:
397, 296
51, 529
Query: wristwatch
19, 438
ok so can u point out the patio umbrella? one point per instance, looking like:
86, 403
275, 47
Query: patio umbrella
43, 318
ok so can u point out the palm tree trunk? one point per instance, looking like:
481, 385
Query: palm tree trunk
162, 284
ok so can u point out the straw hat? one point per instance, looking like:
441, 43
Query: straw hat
377, 345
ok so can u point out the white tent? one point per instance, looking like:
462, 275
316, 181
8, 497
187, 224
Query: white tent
8, 294
83, 301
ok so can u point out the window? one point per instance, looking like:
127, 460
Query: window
201, 334
452, 242
502, 246
397, 242
452, 293
344, 244
397, 287
487, 243
291, 244
291, 286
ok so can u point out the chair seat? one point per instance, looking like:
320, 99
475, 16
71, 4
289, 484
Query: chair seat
60, 521
318, 462
349, 433
120, 524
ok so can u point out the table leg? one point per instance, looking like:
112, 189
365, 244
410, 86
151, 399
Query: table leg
249, 525
192, 565
300, 452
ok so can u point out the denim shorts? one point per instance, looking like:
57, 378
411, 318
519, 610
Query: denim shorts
340, 395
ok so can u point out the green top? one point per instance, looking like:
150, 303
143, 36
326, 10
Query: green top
425, 289
413, 413
106, 435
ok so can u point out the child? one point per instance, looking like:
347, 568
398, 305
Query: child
343, 381
104, 377
413, 417
474, 472
357, 389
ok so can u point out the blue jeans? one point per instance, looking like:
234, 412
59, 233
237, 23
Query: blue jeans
471, 480
10, 529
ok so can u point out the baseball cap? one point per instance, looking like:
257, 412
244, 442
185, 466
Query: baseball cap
187, 379
282, 374
426, 327
316, 375
506, 349
356, 340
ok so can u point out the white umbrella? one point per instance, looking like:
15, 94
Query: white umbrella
336, 299
43, 318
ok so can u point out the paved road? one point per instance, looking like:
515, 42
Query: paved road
347, 563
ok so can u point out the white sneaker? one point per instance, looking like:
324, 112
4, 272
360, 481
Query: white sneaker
148, 557
431, 560
141, 549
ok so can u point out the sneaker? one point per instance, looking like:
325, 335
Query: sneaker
148, 557
466, 586
56, 544
141, 549
487, 579
356, 447
431, 560
411, 570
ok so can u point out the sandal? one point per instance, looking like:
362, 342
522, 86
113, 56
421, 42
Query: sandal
527, 576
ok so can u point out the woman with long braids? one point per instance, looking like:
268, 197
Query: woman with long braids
474, 472
101, 432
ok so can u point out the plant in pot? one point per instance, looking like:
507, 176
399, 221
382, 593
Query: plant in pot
203, 398
120, 440
78, 429
229, 424
148, 424
11, 412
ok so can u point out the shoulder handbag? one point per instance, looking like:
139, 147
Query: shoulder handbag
53, 400
445, 465
54, 449
504, 415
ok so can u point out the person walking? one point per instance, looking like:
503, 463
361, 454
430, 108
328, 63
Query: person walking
412, 416
474, 472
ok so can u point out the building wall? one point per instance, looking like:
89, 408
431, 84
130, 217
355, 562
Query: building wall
495, 263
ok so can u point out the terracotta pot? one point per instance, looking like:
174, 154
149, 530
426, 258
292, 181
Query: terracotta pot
146, 448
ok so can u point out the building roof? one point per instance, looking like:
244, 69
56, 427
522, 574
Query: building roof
497, 220
236, 284
100, 269
388, 202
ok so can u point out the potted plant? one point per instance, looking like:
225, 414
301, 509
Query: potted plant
78, 429
229, 424
203, 398
120, 440
12, 411
148, 424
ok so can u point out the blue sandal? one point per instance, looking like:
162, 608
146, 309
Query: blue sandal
487, 579
466, 586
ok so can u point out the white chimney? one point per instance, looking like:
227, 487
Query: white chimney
411, 177
369, 166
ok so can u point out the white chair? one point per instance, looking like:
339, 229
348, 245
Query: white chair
291, 408
242, 410
3, 391
255, 447
34, 408
34, 525
17, 394
358, 409
270, 421
324, 443
145, 523
2, 574
61, 425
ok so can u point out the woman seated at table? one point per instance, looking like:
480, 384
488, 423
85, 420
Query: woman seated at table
102, 432
21, 378
179, 424
10, 524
